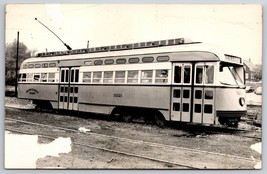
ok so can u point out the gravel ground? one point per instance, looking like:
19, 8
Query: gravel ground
82, 157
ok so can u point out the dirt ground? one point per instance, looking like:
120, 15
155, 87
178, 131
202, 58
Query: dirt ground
86, 157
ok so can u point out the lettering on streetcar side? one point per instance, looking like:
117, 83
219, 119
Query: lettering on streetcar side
32, 91
117, 95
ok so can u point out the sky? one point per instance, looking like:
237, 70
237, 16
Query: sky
238, 28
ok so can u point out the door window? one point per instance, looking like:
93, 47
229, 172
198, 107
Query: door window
177, 74
199, 74
187, 72
209, 76
182, 73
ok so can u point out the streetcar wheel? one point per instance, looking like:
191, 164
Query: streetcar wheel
115, 115
38, 108
127, 118
160, 120
56, 111
233, 124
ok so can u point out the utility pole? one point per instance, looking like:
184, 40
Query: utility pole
17, 64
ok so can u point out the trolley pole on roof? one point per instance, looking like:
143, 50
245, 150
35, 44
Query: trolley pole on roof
17, 64
68, 47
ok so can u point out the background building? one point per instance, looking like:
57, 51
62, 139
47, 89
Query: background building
250, 71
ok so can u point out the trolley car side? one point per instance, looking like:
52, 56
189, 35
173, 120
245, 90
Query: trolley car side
175, 82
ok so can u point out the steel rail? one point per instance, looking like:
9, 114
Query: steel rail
110, 150
140, 141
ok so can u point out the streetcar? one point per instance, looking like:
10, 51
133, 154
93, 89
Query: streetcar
162, 81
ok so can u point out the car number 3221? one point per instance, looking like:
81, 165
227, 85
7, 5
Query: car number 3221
117, 95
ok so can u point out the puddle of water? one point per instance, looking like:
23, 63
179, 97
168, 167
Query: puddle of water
257, 148
22, 151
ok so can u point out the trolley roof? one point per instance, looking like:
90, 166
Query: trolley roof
180, 47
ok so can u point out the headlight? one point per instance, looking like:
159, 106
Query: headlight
242, 101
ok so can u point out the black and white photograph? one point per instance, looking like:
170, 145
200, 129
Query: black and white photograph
133, 86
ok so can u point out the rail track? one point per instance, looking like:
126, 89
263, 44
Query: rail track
199, 128
112, 151
164, 147
223, 130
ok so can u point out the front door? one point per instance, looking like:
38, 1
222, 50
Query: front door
68, 88
204, 94
193, 93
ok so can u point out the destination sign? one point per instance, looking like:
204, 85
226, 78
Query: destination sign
232, 59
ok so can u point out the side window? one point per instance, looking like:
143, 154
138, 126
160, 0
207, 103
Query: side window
29, 77
51, 77
44, 65
22, 77
37, 65
119, 76
108, 77
146, 76
30, 65
44, 77
161, 76
177, 74
87, 77
97, 77
52, 64
199, 75
36, 77
209, 78
132, 77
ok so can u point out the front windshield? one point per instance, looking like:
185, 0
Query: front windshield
236, 76
229, 76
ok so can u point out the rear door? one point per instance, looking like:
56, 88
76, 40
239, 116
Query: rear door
64, 88
68, 88
74, 89
181, 92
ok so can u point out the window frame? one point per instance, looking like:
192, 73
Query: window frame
87, 78
44, 80
100, 79
39, 79
120, 79
164, 79
51, 79
108, 79
148, 79
134, 79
